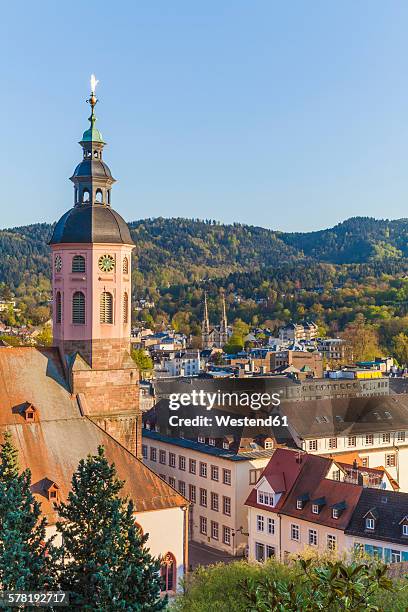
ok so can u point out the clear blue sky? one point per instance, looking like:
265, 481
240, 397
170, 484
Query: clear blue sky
290, 115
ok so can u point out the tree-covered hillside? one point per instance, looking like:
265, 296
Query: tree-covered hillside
178, 251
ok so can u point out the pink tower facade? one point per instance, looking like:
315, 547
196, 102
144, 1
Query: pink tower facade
91, 279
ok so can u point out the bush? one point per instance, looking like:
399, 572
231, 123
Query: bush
308, 585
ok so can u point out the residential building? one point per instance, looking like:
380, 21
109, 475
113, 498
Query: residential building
379, 526
216, 481
183, 363
295, 506
293, 332
332, 349
331, 387
375, 427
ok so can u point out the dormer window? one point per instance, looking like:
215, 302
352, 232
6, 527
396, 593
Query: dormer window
267, 499
301, 501
404, 526
29, 412
370, 523
337, 509
318, 504
335, 513
52, 491
299, 504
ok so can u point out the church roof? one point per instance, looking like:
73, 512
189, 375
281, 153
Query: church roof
91, 223
53, 445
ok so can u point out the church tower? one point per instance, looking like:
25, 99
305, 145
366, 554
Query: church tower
205, 327
223, 324
91, 278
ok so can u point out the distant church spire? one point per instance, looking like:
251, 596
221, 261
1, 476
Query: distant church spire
206, 321
223, 324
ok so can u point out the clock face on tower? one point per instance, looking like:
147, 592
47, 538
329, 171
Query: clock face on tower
106, 263
58, 263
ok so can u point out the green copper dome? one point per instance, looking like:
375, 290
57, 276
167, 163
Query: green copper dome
92, 134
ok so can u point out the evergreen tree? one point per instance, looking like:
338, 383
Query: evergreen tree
27, 560
107, 566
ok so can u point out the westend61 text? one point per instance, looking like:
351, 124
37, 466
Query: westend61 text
207, 400
228, 421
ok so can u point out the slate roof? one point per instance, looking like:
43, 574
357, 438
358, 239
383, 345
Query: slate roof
91, 223
390, 506
353, 415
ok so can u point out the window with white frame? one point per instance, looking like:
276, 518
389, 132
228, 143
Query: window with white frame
351, 441
335, 513
405, 529
369, 439
192, 466
386, 438
172, 482
226, 535
203, 525
271, 526
332, 442
214, 530
226, 476
299, 504
396, 556
182, 487
313, 445
211, 441
267, 499
172, 460
295, 532
259, 551
144, 451
201, 439
370, 523
153, 454
214, 473
331, 542
182, 463
203, 497
315, 509
192, 493
390, 460
260, 522
203, 469
226, 505
401, 436
312, 537
162, 456
270, 551
214, 501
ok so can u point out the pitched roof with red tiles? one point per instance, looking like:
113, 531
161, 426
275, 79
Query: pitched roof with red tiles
54, 443
281, 473
312, 485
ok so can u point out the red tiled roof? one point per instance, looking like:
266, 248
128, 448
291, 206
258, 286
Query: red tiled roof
281, 473
312, 482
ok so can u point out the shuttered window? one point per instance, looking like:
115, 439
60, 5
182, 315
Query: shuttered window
78, 308
125, 307
125, 266
58, 306
78, 263
106, 307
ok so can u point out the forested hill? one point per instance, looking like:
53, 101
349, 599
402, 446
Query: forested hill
175, 251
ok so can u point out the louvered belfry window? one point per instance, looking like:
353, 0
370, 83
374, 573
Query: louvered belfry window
78, 263
106, 307
78, 308
59, 307
125, 307
125, 266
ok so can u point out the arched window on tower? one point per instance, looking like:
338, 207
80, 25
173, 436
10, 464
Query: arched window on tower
78, 308
58, 307
85, 195
109, 197
78, 263
106, 307
99, 196
125, 307
168, 572
125, 266
96, 154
